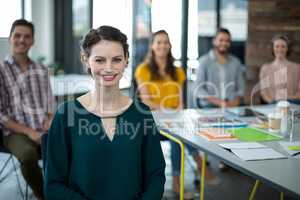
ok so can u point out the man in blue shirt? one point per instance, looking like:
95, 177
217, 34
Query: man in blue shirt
220, 81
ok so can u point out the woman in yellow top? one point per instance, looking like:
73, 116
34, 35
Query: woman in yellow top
160, 87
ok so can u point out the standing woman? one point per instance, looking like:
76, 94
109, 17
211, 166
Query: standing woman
103, 145
280, 79
160, 87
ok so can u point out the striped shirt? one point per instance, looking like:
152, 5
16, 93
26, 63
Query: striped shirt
25, 97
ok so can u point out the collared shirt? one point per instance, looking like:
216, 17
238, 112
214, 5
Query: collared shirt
25, 97
214, 79
280, 82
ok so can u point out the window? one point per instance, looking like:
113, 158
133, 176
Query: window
118, 14
207, 18
114, 13
161, 20
234, 16
81, 24
141, 31
10, 11
81, 15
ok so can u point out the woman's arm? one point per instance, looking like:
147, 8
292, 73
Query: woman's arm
153, 163
57, 168
145, 96
265, 85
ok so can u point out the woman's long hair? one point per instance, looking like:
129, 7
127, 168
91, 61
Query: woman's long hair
150, 60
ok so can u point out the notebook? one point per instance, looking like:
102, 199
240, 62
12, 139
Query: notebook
257, 154
242, 145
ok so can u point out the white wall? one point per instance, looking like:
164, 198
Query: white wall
43, 20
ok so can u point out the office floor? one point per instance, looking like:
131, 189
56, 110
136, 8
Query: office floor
234, 185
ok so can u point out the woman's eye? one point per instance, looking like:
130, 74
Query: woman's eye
99, 61
117, 60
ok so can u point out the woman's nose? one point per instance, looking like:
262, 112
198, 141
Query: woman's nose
108, 66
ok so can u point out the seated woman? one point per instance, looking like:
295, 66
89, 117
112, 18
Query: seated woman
160, 87
104, 145
280, 79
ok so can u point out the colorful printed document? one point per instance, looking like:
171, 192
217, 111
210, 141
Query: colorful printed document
215, 134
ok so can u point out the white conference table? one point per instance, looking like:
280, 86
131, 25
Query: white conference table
282, 174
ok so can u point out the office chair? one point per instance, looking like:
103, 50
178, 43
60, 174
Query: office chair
10, 158
44, 150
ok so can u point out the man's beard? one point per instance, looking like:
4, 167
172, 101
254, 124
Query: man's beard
222, 51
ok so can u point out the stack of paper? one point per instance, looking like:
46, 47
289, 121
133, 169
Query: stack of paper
252, 151
215, 134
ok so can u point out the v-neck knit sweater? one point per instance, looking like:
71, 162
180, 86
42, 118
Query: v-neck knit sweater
82, 163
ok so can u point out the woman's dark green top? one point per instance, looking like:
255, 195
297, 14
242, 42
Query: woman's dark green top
82, 163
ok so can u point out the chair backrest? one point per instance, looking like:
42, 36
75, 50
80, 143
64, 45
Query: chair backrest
44, 149
2, 148
1, 138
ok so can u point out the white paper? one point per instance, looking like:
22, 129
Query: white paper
257, 154
285, 146
242, 145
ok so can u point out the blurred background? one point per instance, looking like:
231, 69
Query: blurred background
191, 24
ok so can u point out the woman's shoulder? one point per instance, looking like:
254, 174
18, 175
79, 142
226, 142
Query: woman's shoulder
267, 66
67, 107
139, 109
143, 67
142, 72
180, 73
179, 69
294, 64
62, 106
137, 103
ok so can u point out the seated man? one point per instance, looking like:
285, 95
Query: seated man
26, 104
220, 81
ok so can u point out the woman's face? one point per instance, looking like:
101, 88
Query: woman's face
161, 45
280, 48
107, 63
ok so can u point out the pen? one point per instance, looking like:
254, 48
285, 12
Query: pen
295, 154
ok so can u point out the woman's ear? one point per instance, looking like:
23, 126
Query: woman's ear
84, 59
